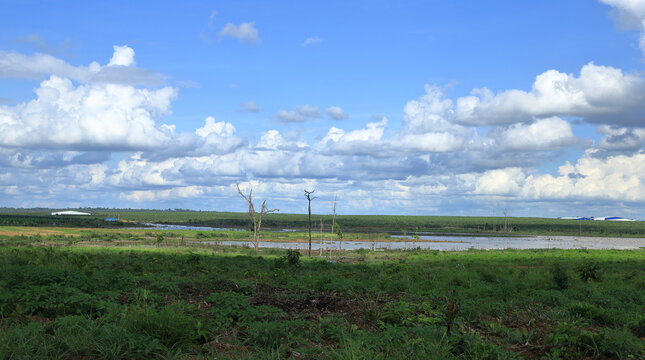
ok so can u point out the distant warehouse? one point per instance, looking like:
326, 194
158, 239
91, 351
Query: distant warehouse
606, 218
70, 213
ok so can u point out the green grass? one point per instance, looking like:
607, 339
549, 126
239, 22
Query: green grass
174, 302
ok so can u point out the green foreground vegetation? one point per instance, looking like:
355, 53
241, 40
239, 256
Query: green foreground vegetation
100, 302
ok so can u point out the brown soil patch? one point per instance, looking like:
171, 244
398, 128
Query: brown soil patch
35, 231
196, 293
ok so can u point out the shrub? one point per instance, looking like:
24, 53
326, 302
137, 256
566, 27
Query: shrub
293, 257
589, 271
560, 277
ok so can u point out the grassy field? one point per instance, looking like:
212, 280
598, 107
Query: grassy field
349, 223
70, 299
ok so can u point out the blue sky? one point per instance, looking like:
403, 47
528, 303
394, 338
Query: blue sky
416, 107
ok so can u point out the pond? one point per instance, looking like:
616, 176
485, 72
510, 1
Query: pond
459, 243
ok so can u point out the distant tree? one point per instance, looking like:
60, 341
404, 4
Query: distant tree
309, 198
159, 240
256, 219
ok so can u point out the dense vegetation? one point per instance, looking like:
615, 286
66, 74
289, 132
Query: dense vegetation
229, 303
350, 223
42, 219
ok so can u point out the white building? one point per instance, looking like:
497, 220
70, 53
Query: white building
70, 213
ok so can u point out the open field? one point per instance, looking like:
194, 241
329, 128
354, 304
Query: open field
386, 224
87, 299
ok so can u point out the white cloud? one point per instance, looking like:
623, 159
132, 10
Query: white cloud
366, 141
311, 40
428, 142
120, 70
616, 178
272, 139
123, 56
430, 113
619, 138
93, 116
500, 182
299, 114
543, 134
216, 128
250, 106
336, 113
219, 138
601, 94
631, 14
245, 32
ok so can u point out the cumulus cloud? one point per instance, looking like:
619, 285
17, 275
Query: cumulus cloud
123, 56
299, 114
542, 134
366, 141
250, 106
91, 116
616, 178
219, 137
600, 94
246, 32
120, 69
336, 113
272, 139
620, 138
431, 112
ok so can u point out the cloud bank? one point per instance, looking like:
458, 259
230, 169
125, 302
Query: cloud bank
92, 131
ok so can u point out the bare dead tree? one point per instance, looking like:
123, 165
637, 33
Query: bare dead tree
309, 198
256, 219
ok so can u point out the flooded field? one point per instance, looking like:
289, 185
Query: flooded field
459, 243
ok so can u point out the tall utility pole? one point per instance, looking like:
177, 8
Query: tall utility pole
321, 238
309, 198
333, 221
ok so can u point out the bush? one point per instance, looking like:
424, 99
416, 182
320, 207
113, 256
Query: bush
293, 257
589, 271
560, 277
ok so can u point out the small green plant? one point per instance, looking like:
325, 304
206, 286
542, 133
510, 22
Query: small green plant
639, 327
159, 240
560, 277
589, 271
171, 327
293, 257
